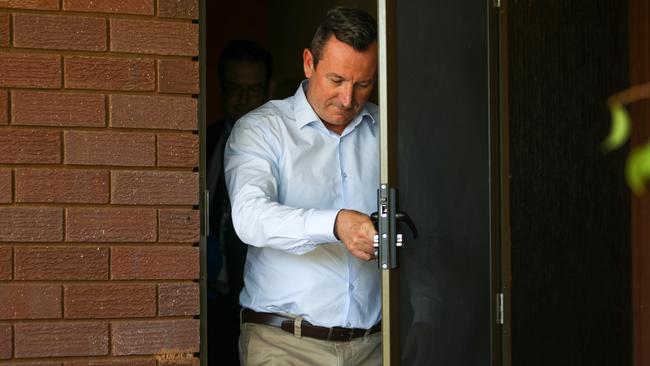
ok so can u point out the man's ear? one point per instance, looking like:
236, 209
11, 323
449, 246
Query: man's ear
307, 63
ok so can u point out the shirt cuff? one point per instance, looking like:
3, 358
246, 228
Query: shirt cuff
320, 226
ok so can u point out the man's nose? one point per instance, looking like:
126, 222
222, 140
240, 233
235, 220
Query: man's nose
346, 95
243, 96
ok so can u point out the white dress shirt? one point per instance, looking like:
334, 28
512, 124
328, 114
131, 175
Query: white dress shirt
287, 177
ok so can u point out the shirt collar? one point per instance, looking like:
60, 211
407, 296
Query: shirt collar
305, 113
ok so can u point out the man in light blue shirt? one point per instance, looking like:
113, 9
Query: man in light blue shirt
302, 175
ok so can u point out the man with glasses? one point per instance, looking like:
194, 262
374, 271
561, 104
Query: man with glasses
244, 72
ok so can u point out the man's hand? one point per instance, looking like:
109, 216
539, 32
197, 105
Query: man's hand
356, 231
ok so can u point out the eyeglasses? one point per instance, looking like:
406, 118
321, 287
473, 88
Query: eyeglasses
233, 89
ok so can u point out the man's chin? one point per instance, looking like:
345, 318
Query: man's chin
341, 119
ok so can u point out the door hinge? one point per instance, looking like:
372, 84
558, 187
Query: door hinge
497, 3
500, 308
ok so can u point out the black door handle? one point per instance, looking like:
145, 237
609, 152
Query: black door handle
400, 217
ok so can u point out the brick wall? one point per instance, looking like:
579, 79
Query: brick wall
99, 189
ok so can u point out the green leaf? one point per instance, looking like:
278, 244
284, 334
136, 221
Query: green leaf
620, 130
637, 170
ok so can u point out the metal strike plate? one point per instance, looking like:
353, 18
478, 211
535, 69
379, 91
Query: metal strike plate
387, 237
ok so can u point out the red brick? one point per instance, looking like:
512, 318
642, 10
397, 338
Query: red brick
31, 4
6, 341
175, 263
155, 188
61, 263
109, 73
60, 339
28, 301
188, 9
59, 32
178, 299
179, 226
5, 263
31, 224
62, 185
4, 107
178, 76
142, 111
58, 109
110, 224
178, 150
154, 37
115, 362
5, 37
30, 70
30, 146
184, 359
109, 301
109, 148
6, 187
153, 336
111, 6
122, 361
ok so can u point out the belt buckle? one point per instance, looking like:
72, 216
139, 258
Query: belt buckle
351, 336
346, 334
340, 334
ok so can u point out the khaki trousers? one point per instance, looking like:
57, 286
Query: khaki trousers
264, 345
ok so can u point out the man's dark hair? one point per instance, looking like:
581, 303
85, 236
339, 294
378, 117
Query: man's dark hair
353, 27
244, 50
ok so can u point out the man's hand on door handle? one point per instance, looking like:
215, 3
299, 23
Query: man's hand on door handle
356, 231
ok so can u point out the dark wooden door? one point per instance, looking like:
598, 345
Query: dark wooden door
570, 208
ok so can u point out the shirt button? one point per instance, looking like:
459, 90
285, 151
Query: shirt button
348, 324
344, 175
351, 287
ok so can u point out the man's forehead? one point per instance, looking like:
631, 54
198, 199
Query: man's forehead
245, 72
335, 47
335, 75
340, 58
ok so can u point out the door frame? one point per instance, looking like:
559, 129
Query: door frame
639, 39
500, 182
204, 210
499, 201
387, 85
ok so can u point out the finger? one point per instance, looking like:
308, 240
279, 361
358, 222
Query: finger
370, 256
364, 256
363, 246
362, 241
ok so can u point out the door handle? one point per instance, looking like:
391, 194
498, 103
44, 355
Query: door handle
399, 218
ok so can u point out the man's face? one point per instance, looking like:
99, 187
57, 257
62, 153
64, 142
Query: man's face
340, 84
245, 87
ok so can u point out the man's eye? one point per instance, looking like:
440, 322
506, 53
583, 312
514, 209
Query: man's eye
336, 81
256, 90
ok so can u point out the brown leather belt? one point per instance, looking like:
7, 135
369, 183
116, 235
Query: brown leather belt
336, 334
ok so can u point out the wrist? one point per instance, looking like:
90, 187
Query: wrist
336, 225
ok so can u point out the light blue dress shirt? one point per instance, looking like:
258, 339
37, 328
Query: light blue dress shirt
287, 177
